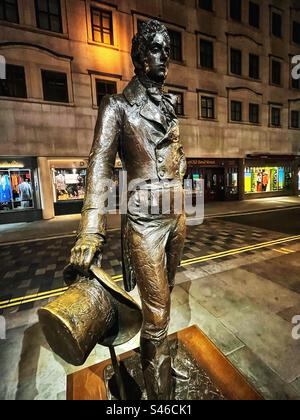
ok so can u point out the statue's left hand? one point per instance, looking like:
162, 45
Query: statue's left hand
85, 250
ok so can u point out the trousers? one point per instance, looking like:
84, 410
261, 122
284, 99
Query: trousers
155, 243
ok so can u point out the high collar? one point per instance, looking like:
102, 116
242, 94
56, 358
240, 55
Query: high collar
135, 92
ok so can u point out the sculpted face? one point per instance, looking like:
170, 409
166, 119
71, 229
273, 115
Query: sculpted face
157, 59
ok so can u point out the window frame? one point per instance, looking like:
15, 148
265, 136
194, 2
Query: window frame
49, 14
295, 127
279, 109
250, 15
255, 67
207, 9
174, 47
102, 11
203, 41
273, 26
14, 87
5, 13
232, 7
213, 108
232, 111
252, 106
294, 23
99, 80
273, 72
233, 64
178, 104
44, 72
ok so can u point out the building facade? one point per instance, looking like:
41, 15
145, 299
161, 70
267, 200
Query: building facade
238, 105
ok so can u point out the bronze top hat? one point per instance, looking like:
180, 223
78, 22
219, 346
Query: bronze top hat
93, 310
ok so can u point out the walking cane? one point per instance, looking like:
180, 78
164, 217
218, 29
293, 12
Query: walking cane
118, 374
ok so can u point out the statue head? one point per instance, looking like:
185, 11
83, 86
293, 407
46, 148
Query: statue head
151, 51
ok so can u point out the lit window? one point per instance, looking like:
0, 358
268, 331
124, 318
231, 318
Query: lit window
102, 26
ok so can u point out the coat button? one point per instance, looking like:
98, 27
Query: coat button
160, 160
162, 174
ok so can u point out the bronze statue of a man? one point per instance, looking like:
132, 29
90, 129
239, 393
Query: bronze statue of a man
142, 126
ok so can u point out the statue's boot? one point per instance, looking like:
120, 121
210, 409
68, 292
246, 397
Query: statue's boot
156, 364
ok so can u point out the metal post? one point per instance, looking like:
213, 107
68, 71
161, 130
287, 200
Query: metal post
117, 371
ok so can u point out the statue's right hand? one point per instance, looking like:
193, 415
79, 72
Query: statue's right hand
84, 251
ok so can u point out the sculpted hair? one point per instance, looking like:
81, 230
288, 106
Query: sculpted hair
142, 40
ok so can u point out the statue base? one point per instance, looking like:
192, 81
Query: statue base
201, 372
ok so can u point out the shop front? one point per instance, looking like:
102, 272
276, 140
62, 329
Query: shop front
220, 178
69, 180
269, 176
19, 190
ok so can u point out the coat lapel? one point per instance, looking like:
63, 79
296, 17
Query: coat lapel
152, 113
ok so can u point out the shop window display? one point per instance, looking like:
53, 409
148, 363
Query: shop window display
267, 179
69, 184
16, 191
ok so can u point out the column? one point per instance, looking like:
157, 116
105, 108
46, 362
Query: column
46, 188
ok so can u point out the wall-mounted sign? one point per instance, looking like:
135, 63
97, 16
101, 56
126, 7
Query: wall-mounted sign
11, 164
212, 162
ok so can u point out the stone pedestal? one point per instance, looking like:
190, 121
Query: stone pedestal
206, 374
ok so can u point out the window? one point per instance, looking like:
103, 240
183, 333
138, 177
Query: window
14, 86
254, 72
296, 32
48, 14
176, 45
17, 190
179, 103
276, 72
236, 10
236, 61
254, 113
254, 14
295, 119
206, 5
207, 107
275, 117
69, 184
55, 86
266, 179
102, 26
236, 111
276, 24
295, 83
104, 88
206, 54
9, 11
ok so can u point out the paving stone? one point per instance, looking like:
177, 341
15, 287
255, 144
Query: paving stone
262, 377
269, 337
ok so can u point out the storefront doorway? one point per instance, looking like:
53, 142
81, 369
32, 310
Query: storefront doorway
220, 177
214, 182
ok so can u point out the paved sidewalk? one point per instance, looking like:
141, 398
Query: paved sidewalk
68, 225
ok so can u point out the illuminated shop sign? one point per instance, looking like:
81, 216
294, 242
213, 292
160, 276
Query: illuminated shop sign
11, 164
